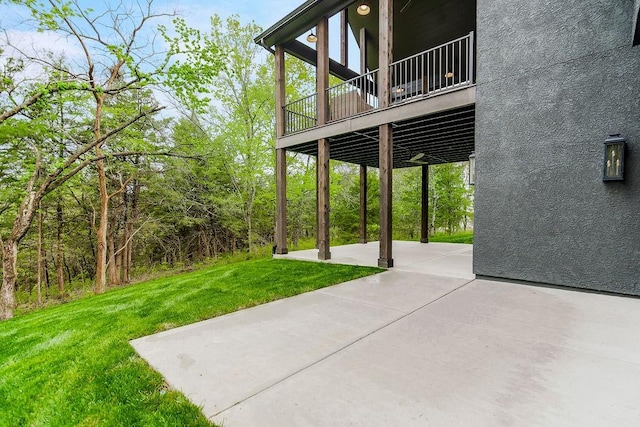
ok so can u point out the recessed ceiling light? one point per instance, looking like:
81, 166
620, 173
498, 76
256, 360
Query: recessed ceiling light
363, 9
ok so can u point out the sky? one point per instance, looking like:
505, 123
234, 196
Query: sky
195, 12
14, 24
264, 12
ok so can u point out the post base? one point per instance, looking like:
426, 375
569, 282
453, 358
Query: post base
324, 256
279, 251
424, 240
385, 263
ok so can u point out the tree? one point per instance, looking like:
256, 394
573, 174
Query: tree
117, 59
243, 120
449, 197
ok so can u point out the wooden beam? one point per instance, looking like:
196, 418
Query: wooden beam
385, 58
363, 50
280, 91
386, 188
281, 201
317, 203
385, 51
322, 70
424, 218
344, 38
363, 204
324, 248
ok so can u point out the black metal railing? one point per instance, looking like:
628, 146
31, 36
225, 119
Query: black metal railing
445, 67
301, 114
353, 97
449, 66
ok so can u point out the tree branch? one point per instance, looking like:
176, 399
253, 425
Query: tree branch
55, 179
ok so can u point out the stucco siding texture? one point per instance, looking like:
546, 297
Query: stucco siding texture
554, 79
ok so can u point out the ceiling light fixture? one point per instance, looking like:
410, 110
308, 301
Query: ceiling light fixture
417, 159
312, 38
363, 8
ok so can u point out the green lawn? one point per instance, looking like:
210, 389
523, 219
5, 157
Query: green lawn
72, 364
460, 237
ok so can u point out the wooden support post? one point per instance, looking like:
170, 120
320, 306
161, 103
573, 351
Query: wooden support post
386, 187
363, 50
281, 201
317, 203
385, 58
363, 204
322, 167
424, 218
280, 91
344, 38
385, 51
324, 248
281, 156
322, 70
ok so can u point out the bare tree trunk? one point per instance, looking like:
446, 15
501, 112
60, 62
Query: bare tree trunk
114, 277
9, 274
133, 216
45, 270
103, 225
20, 227
59, 250
121, 249
60, 218
39, 281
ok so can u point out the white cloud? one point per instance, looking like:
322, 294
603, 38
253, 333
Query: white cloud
34, 43
197, 12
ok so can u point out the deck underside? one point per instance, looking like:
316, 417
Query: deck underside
444, 136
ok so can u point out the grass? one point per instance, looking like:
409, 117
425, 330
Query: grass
78, 289
72, 364
460, 237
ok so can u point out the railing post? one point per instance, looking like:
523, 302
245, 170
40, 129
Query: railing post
471, 52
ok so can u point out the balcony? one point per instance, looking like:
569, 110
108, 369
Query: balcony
445, 68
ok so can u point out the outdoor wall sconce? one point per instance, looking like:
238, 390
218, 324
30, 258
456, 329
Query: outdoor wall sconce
472, 168
312, 38
613, 158
363, 8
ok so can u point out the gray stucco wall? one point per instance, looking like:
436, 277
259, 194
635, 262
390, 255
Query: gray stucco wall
554, 79
636, 25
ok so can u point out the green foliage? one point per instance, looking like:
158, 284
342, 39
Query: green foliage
73, 365
450, 197
196, 60
459, 237
450, 204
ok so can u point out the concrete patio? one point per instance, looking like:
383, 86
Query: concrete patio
421, 344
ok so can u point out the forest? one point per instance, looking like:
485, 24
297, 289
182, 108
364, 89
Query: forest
151, 147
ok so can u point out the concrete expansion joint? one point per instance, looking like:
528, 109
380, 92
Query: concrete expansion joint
328, 356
